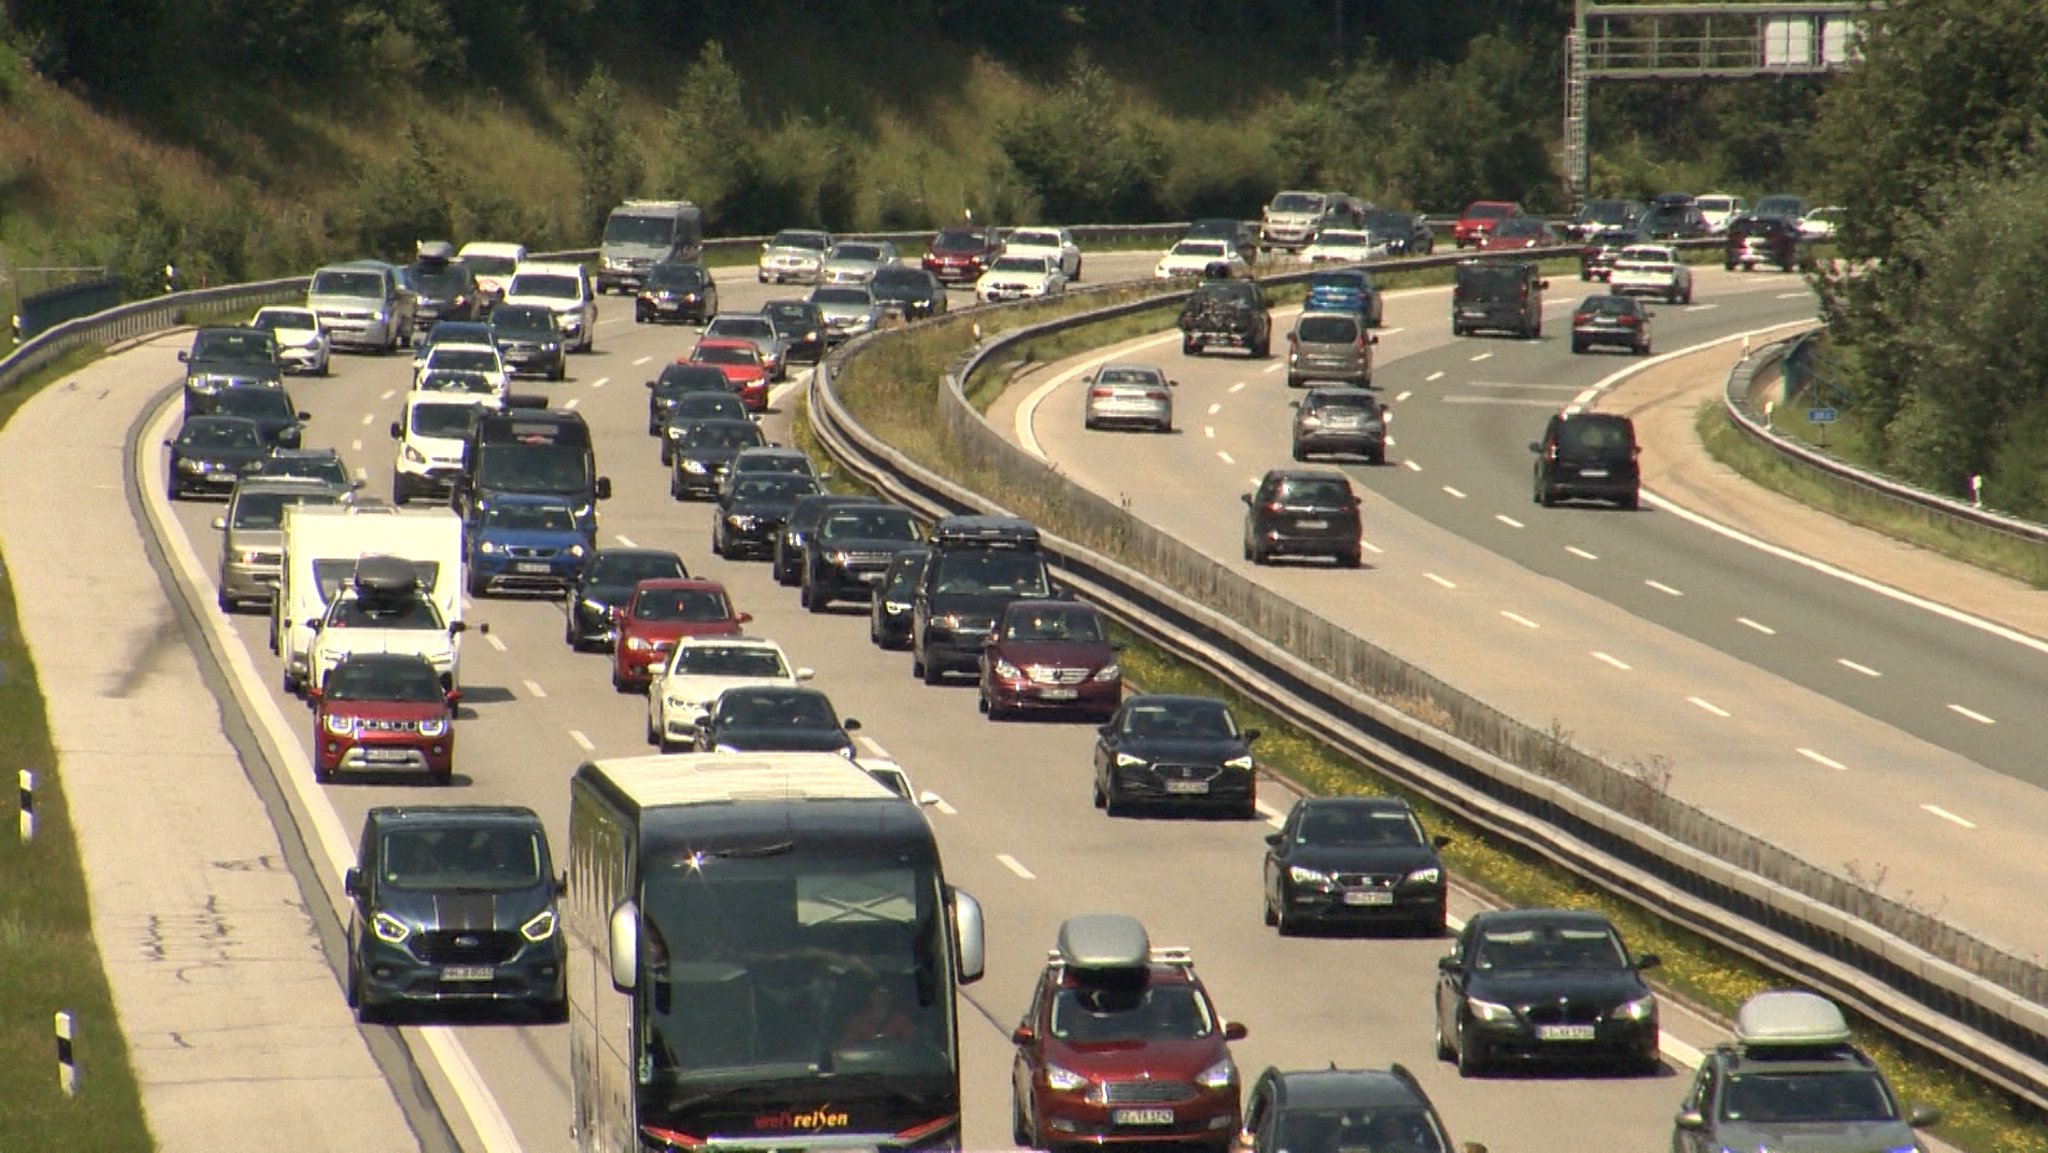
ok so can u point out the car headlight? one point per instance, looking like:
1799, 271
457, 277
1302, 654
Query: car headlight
1308, 878
1311, 422
1006, 670
540, 927
598, 607
246, 556
845, 750
390, 929
722, 748
1129, 761
577, 551
1643, 1008
1488, 1010
340, 726
201, 384
639, 645
741, 520
949, 620
413, 455
839, 557
1429, 876
1221, 1075
433, 726
187, 464
488, 547
897, 607
1064, 1080
551, 346
1109, 672
695, 467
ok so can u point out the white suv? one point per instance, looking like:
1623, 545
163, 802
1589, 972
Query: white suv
565, 290
430, 433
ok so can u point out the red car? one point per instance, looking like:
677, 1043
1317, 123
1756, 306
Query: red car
1050, 656
961, 255
1480, 218
383, 711
1122, 1046
1518, 232
660, 612
740, 360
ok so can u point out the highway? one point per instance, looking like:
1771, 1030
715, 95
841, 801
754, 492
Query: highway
1017, 827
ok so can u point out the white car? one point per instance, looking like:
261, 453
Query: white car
492, 263
409, 624
1194, 258
466, 357
682, 691
793, 254
1018, 278
1651, 270
1343, 246
1718, 208
302, 342
1055, 244
1820, 224
563, 289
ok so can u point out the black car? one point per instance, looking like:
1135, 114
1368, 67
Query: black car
846, 556
270, 408
1599, 215
1303, 512
446, 287
1670, 220
1175, 750
700, 456
1404, 233
1618, 321
1505, 295
607, 581
693, 409
978, 565
1754, 240
210, 453
454, 904
321, 464
911, 293
750, 512
1345, 860
675, 381
675, 290
775, 719
225, 357
529, 340
1368, 1110
787, 563
1587, 456
1596, 259
801, 327
889, 607
1544, 984
1340, 420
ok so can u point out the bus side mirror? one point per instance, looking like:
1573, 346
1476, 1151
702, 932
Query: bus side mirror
967, 930
625, 946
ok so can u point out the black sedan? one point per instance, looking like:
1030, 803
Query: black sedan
705, 450
889, 610
1618, 321
1175, 750
270, 409
1544, 984
751, 510
911, 293
694, 408
848, 555
210, 453
1403, 233
676, 291
787, 563
607, 581
1353, 860
801, 327
675, 381
775, 719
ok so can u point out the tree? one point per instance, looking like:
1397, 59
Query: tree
712, 157
1080, 159
605, 151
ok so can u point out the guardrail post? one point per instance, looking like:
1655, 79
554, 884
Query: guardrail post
28, 806
67, 1063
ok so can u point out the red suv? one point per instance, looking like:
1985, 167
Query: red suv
961, 255
1122, 1046
1050, 656
383, 711
658, 614
1479, 220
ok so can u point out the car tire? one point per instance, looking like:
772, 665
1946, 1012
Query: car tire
1293, 381
1189, 348
1433, 923
1377, 456
555, 1012
1264, 349
619, 684
814, 599
1352, 559
322, 776
1585, 276
916, 665
478, 586
222, 599
931, 673
1578, 346
1471, 1063
1457, 329
717, 536
1101, 801
1686, 298
1631, 502
653, 735
1643, 350
1266, 913
1444, 1052
441, 778
559, 373
352, 984
1300, 454
1020, 1127
172, 492
1284, 924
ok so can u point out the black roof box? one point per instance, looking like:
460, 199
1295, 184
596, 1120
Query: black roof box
385, 576
985, 531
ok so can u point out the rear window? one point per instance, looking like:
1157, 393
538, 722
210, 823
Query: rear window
1327, 330
1597, 434
1490, 279
1314, 491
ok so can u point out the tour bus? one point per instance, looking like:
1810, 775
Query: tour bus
321, 546
763, 952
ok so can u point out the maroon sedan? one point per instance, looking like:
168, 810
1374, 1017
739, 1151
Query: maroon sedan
961, 255
658, 614
1520, 232
1050, 656
383, 711
1479, 220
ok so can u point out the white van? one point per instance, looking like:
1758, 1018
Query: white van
431, 432
492, 263
563, 289
321, 547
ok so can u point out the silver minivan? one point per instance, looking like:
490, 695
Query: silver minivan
363, 304
252, 535
1332, 346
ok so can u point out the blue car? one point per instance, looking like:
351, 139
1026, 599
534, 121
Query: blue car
1346, 290
518, 542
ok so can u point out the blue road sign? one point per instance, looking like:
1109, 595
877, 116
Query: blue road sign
1820, 416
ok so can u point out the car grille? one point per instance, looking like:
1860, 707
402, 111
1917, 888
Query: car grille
1186, 772
1366, 880
466, 946
1562, 1012
530, 552
1146, 1092
387, 726
1047, 675
266, 558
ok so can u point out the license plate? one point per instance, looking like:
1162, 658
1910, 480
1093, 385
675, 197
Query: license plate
1314, 524
1142, 1116
1190, 788
1564, 1032
667, 305
468, 973
872, 578
531, 566
1060, 695
1593, 473
387, 756
1368, 897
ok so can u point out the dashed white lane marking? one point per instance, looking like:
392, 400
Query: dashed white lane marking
1392, 331
1482, 356
1454, 492
1215, 408
1411, 466
1440, 580
534, 688
1945, 815
600, 382
1702, 307
1370, 547
368, 417
1273, 368
1014, 865
388, 394
1209, 430
1509, 521
1582, 554
1519, 619
572, 402
1666, 589
1853, 667
874, 748
356, 445
582, 742
1226, 458
1710, 706
1819, 759
1437, 375
1403, 395
1973, 714
1762, 628
625, 540
1791, 295
1617, 662
642, 360
362, 473
1238, 387
495, 642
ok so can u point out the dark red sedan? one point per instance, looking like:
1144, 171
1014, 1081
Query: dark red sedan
961, 255
1050, 656
658, 614
383, 711
1480, 218
740, 360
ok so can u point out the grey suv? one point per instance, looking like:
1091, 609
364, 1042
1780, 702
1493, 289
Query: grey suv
364, 304
1332, 346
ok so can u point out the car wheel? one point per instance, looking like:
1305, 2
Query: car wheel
1578, 346
172, 492
1377, 456
555, 1012
226, 602
931, 673
718, 537
816, 600
1300, 453
1584, 276
1352, 559
1546, 497
916, 665
352, 986
1471, 1063
1434, 922
1457, 329
1444, 1052
619, 684
1188, 348
675, 489
1536, 330
1101, 801
653, 735
1284, 923
478, 586
1266, 912
1727, 267
442, 778
559, 373
1020, 1128
1264, 349
1631, 502
322, 776
1643, 349
1687, 298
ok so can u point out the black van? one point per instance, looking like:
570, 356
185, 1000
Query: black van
1587, 456
1499, 294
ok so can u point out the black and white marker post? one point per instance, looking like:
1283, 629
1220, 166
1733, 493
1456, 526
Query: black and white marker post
28, 806
67, 1064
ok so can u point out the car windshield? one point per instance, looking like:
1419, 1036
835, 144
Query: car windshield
1297, 202
787, 486
690, 377
1314, 492
220, 434
957, 240
977, 571
1035, 265
1486, 212
794, 709
904, 571
1385, 222
471, 359
1199, 720
726, 354
631, 228
1356, 825
856, 297
530, 517
702, 660
414, 682
324, 466
1606, 211
1325, 282
1327, 330
723, 435
1616, 238
1609, 305
891, 524
1520, 226
254, 403
257, 346
780, 462
677, 276
457, 380
442, 279
611, 568
1034, 239
900, 280
527, 322
1778, 206
796, 238
1714, 203
1198, 248
448, 421
490, 265
794, 311
265, 510
1529, 947
384, 612
742, 328
1335, 239
1596, 434
666, 604
1122, 1012
867, 253
1054, 624
462, 858
340, 282
1781, 1098
272, 319
709, 406
549, 285
1489, 280
1376, 1129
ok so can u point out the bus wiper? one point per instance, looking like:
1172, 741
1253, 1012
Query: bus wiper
749, 852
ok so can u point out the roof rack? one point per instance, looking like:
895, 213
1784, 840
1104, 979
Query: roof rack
985, 531
1103, 942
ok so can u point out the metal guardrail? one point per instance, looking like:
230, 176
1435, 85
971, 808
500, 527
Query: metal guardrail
1934, 985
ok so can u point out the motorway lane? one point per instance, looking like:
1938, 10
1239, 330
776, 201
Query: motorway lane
1553, 616
1017, 830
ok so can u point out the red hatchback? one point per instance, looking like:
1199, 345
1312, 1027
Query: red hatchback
740, 360
961, 255
658, 614
1479, 220
1122, 1046
1050, 656
383, 711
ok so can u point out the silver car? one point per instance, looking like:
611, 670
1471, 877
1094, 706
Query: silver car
757, 328
848, 309
1129, 396
855, 261
252, 535
794, 254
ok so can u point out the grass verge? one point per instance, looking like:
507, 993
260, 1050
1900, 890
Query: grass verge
48, 958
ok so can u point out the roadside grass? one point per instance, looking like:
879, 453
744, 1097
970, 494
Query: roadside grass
48, 958
2015, 557
891, 390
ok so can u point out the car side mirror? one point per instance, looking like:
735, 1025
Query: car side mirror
184, 357
1649, 961
1245, 497
562, 883
358, 485
167, 442
315, 625
1535, 446
1921, 1116
352, 882
455, 627
1543, 284
1372, 340
220, 523
303, 416
1472, 1147
745, 618
397, 433
1106, 730
1235, 1031
849, 724
805, 674
1440, 840
604, 488
1691, 1120
1273, 839
624, 942
1447, 964
1250, 735
314, 692
650, 386
1023, 1035
484, 627
454, 697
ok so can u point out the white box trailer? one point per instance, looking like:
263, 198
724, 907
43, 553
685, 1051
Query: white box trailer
321, 547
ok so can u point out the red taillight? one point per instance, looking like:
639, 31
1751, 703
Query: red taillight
1582, 318
1156, 394
1627, 321
1099, 394
1275, 506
